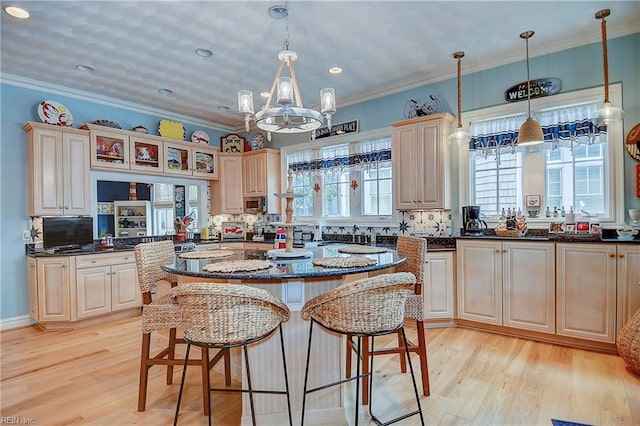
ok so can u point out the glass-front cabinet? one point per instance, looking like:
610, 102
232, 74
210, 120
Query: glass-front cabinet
109, 150
147, 155
181, 159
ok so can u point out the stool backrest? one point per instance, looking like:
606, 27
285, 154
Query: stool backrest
228, 313
150, 257
415, 249
365, 306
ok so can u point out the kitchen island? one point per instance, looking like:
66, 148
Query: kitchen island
294, 281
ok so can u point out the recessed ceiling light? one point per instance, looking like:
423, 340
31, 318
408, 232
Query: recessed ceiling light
265, 94
16, 12
165, 91
335, 70
84, 68
205, 53
278, 11
223, 108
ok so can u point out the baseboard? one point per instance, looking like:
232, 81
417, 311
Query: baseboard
15, 322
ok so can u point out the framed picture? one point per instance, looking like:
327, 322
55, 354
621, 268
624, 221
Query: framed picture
232, 143
533, 201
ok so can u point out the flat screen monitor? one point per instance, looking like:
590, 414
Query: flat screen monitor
66, 232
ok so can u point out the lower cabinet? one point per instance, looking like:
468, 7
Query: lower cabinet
628, 282
507, 283
438, 286
66, 289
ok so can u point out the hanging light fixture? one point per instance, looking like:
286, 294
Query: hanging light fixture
607, 113
459, 137
287, 114
530, 132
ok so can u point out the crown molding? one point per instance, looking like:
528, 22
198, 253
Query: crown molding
18, 81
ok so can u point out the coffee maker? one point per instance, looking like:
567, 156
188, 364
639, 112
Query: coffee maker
471, 222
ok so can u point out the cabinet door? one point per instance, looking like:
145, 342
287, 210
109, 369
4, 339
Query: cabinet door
53, 289
407, 177
205, 162
77, 191
32, 279
146, 155
226, 194
480, 281
125, 291
45, 161
93, 291
628, 274
109, 150
429, 161
255, 175
586, 291
438, 286
177, 159
528, 280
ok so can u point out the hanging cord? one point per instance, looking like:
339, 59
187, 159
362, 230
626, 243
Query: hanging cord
528, 79
605, 60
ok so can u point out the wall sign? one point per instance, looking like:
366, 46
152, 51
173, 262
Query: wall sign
232, 143
539, 88
336, 129
632, 143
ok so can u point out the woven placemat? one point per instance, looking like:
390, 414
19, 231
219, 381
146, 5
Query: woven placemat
343, 262
205, 254
362, 249
238, 266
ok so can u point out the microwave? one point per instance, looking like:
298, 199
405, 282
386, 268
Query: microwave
255, 205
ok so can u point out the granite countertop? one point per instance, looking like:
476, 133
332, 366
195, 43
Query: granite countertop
284, 268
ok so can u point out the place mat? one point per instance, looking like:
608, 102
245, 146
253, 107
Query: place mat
238, 266
362, 249
343, 262
205, 254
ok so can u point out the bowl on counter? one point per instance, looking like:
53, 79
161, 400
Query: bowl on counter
626, 233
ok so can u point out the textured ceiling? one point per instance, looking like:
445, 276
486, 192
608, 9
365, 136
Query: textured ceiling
136, 48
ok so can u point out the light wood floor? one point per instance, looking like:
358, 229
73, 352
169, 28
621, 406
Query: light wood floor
90, 376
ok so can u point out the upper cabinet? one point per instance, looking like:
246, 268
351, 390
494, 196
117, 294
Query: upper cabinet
58, 170
115, 149
261, 176
421, 170
226, 194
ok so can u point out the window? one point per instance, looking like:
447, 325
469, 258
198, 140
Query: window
351, 179
579, 171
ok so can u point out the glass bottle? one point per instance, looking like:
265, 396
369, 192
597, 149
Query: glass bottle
548, 212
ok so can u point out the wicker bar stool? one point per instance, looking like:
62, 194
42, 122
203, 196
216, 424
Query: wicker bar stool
223, 316
365, 308
628, 343
415, 250
163, 313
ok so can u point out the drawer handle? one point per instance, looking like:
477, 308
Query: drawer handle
612, 255
93, 261
621, 256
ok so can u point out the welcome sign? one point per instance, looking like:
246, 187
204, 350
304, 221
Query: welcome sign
538, 88
336, 129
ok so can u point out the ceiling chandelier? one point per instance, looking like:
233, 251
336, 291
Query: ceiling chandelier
287, 114
459, 137
530, 132
607, 113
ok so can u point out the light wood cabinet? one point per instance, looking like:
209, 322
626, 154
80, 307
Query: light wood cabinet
32, 280
507, 283
106, 283
58, 171
421, 170
261, 176
586, 291
147, 155
131, 218
226, 194
628, 282
184, 160
438, 286
109, 148
53, 289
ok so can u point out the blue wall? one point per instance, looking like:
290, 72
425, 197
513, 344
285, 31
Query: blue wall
578, 68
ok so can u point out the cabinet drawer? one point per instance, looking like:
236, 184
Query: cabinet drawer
106, 259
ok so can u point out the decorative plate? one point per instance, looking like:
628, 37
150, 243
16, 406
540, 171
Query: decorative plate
204, 162
107, 123
171, 129
117, 149
200, 137
632, 142
52, 112
140, 129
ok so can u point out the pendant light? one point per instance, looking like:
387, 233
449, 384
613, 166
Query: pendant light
607, 113
459, 137
530, 132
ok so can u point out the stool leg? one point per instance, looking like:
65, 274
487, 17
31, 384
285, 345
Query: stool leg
171, 354
306, 372
359, 362
205, 381
184, 374
246, 365
365, 354
422, 351
403, 362
413, 377
227, 366
348, 360
144, 371
286, 377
